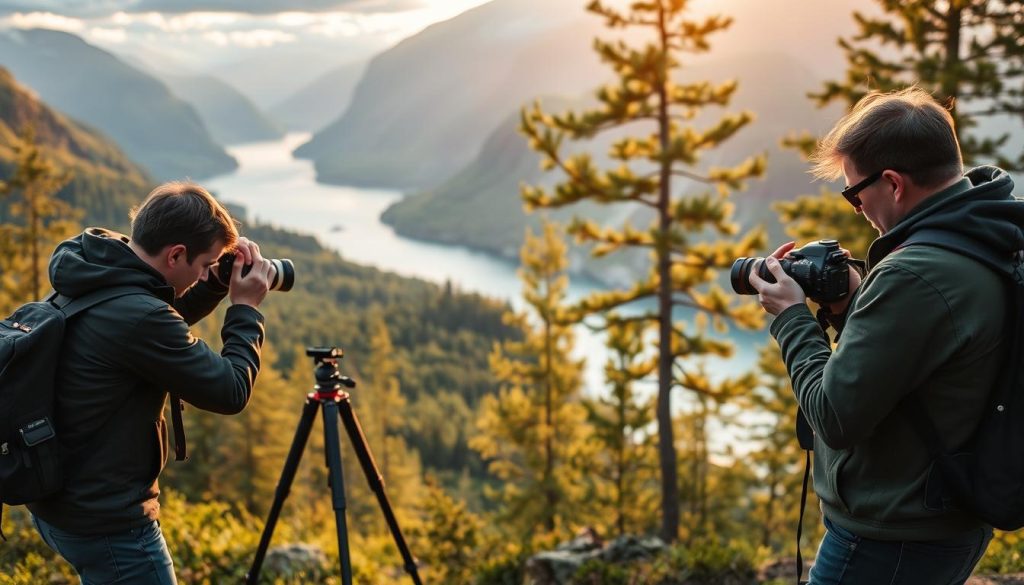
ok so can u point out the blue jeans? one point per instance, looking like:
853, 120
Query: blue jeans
847, 559
134, 557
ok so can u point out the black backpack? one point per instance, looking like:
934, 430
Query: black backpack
986, 477
30, 343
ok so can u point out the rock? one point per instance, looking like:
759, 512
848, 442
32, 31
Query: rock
558, 566
295, 559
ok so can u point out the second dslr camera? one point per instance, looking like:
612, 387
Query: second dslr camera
820, 268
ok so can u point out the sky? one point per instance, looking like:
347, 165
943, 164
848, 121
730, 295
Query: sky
204, 34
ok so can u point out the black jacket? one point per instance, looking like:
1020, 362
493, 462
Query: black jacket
118, 362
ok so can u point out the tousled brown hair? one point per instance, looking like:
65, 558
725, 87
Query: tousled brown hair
181, 212
906, 131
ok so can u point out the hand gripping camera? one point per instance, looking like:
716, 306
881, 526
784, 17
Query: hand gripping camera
820, 268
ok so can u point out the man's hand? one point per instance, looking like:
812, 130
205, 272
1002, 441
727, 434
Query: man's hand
252, 288
785, 292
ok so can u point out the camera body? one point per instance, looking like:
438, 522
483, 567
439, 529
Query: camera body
820, 268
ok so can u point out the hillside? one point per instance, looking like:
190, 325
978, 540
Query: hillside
161, 132
480, 206
322, 101
105, 183
229, 116
424, 107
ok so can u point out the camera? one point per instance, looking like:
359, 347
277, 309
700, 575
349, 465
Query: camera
820, 268
284, 271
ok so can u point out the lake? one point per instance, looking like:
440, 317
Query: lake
280, 190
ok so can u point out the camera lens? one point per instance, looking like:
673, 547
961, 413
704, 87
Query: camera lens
284, 274
740, 275
284, 271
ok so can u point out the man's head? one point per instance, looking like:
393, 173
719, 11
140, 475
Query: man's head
181, 230
901, 146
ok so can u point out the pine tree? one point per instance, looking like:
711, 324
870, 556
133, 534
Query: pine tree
626, 462
691, 234
965, 52
37, 222
779, 460
533, 431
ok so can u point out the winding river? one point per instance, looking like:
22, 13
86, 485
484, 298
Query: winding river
278, 189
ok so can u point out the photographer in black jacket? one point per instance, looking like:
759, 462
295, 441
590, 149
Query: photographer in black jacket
121, 358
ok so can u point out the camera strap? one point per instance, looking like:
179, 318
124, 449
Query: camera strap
180, 450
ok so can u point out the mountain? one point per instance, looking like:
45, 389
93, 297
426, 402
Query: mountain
228, 115
104, 183
480, 206
274, 74
322, 101
424, 107
137, 111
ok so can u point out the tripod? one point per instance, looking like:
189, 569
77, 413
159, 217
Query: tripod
328, 395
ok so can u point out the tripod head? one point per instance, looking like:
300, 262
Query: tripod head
329, 379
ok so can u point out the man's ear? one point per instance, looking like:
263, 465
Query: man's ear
897, 182
175, 254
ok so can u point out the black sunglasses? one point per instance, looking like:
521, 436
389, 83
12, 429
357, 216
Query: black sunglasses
850, 193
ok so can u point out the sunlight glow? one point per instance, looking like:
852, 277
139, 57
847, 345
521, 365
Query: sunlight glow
43, 20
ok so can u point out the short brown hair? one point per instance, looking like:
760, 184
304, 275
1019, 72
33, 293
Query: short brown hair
181, 212
906, 131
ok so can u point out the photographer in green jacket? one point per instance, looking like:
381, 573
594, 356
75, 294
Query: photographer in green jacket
923, 320
121, 358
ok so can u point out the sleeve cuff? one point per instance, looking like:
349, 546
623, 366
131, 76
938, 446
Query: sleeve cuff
796, 311
243, 310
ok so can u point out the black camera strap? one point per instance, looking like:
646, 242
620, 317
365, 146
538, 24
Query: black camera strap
180, 450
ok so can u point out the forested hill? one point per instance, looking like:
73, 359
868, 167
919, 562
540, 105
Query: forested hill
161, 132
104, 182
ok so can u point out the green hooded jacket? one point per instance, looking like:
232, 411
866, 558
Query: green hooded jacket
923, 319
118, 361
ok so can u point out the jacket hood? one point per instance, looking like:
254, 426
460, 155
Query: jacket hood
99, 258
980, 206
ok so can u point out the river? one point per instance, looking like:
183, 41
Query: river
281, 190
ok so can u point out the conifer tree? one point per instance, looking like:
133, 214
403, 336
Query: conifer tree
449, 539
779, 460
382, 413
967, 53
626, 461
691, 235
533, 430
37, 222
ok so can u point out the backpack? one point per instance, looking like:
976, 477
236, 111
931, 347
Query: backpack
30, 343
986, 477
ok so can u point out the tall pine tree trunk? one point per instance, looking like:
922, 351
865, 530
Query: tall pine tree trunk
666, 441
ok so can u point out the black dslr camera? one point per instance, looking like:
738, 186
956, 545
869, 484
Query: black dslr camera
819, 267
284, 271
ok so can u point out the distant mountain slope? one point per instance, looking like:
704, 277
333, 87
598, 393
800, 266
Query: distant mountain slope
322, 101
104, 182
156, 128
229, 116
424, 107
480, 206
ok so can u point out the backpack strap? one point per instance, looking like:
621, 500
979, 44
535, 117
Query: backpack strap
73, 306
912, 407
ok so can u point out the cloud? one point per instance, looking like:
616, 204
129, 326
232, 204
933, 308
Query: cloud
103, 8
42, 20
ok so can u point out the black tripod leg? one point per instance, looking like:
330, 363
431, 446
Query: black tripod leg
332, 446
373, 477
291, 464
